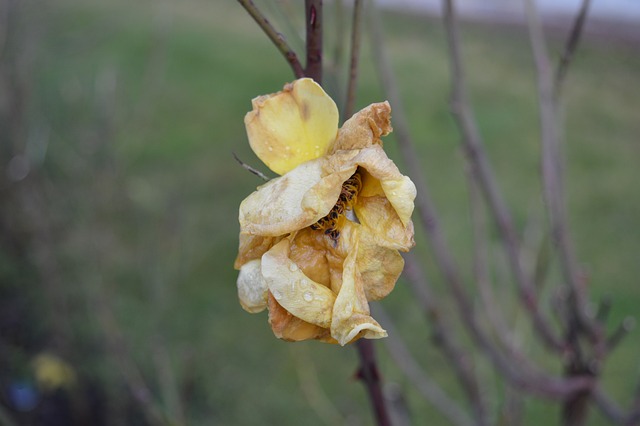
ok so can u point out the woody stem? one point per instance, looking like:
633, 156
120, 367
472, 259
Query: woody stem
369, 374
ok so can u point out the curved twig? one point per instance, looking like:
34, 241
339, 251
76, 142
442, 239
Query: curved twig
570, 47
481, 170
277, 38
416, 374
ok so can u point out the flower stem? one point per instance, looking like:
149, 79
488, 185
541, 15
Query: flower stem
368, 373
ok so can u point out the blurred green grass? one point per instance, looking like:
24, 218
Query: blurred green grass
144, 103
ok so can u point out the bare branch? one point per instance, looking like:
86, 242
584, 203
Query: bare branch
481, 266
353, 65
472, 144
251, 169
515, 368
430, 222
416, 374
570, 47
444, 336
552, 174
625, 327
608, 407
312, 389
277, 38
369, 374
314, 39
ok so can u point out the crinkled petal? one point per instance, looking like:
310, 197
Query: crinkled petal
385, 227
253, 247
365, 128
294, 291
351, 319
379, 267
288, 327
292, 126
308, 251
252, 289
293, 201
399, 189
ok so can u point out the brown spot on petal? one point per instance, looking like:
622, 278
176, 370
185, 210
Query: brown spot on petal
304, 111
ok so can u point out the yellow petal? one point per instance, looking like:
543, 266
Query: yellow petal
253, 247
308, 251
287, 327
294, 291
351, 319
382, 221
399, 189
293, 201
290, 127
365, 128
379, 267
252, 289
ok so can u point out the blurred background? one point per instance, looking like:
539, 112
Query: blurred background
119, 197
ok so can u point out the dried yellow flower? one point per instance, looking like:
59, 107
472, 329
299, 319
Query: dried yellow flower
322, 240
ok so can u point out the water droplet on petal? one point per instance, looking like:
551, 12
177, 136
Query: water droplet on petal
307, 296
304, 282
270, 149
293, 267
277, 294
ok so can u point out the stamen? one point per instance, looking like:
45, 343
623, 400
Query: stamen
331, 223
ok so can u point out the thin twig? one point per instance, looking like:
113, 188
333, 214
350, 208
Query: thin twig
369, 374
415, 373
472, 144
570, 47
311, 388
443, 335
625, 327
353, 64
481, 266
277, 38
608, 407
552, 175
516, 370
251, 169
313, 10
428, 217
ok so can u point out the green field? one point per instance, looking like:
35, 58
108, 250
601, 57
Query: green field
120, 242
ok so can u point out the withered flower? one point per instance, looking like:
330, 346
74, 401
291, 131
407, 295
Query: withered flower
322, 240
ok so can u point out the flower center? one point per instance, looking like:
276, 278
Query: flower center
332, 222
